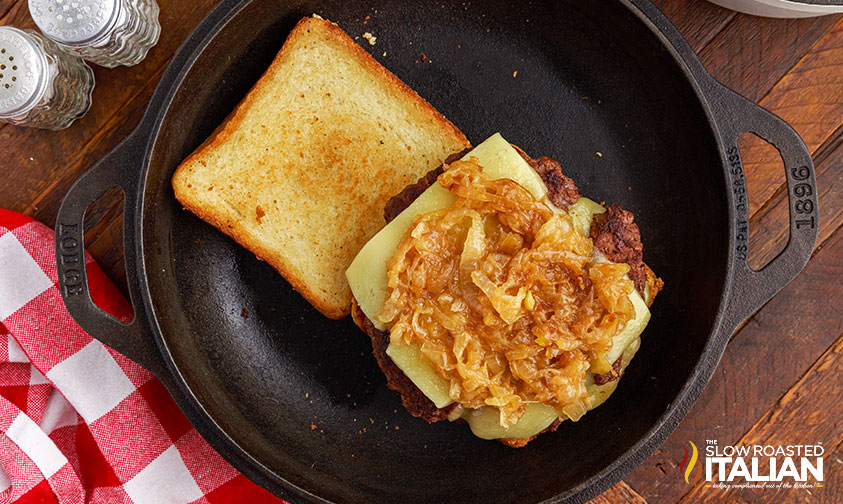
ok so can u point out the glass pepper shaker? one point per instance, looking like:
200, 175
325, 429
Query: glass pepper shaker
41, 84
106, 32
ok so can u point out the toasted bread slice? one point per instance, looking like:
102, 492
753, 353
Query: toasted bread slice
300, 171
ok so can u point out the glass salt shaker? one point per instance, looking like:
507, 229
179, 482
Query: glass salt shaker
106, 32
41, 84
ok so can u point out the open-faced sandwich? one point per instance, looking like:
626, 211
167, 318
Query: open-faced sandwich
499, 296
492, 292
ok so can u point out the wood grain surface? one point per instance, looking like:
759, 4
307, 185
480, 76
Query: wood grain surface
780, 369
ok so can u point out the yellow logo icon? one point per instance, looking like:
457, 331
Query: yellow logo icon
690, 464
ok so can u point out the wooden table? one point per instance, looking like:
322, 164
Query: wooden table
779, 380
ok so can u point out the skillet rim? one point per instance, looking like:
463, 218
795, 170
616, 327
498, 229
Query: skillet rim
700, 81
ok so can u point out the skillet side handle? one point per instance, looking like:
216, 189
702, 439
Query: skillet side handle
119, 168
752, 289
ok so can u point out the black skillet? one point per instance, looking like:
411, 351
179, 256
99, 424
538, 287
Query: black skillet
608, 77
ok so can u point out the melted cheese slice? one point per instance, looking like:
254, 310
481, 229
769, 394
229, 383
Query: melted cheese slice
582, 212
367, 273
368, 280
408, 358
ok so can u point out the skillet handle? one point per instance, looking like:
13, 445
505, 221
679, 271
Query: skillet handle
119, 168
752, 289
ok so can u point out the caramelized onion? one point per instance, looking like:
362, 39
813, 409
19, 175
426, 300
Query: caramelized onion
505, 298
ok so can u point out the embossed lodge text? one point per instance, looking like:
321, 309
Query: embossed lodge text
70, 247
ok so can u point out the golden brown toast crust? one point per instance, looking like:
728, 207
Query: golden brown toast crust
336, 303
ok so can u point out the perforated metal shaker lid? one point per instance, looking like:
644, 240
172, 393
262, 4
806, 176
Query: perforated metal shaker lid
74, 22
22, 71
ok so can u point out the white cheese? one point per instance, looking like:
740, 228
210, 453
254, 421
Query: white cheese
368, 280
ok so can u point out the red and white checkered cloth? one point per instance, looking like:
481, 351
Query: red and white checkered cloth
80, 423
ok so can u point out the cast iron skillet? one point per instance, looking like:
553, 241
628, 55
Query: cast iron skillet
613, 77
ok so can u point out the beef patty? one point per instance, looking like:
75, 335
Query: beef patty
614, 233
